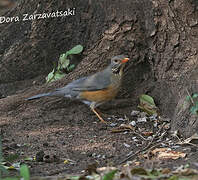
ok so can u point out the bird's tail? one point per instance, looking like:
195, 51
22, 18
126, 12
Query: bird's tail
38, 96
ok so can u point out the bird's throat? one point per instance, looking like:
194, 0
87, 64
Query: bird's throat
118, 71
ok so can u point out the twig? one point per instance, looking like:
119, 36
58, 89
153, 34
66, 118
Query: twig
145, 148
136, 133
190, 96
155, 145
192, 144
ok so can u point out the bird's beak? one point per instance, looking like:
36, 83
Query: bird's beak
124, 60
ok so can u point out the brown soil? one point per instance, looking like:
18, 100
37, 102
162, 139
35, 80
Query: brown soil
72, 133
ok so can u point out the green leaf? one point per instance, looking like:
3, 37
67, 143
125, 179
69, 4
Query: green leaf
139, 171
194, 109
1, 153
29, 159
53, 76
65, 64
173, 178
110, 175
196, 104
11, 178
188, 98
58, 75
147, 104
71, 67
24, 172
147, 98
62, 58
186, 166
74, 177
3, 169
195, 95
155, 172
50, 76
75, 50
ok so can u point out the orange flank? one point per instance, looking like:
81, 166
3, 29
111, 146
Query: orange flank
100, 95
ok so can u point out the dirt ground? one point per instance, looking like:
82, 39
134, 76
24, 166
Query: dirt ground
68, 140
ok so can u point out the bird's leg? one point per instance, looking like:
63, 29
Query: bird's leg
103, 114
98, 115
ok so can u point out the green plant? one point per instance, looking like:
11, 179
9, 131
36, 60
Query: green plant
63, 64
147, 104
194, 100
24, 171
2, 168
110, 175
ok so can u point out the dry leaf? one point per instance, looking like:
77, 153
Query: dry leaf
137, 163
148, 133
167, 153
185, 172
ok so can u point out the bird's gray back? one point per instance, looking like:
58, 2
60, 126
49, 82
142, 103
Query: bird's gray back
95, 82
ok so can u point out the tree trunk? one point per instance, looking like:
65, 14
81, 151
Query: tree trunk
159, 36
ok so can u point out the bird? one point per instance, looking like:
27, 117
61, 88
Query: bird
95, 89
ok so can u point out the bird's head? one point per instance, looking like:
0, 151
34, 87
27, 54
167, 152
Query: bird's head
118, 63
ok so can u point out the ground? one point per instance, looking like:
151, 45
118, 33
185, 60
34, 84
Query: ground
67, 141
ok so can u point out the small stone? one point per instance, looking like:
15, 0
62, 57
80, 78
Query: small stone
153, 117
93, 155
155, 124
113, 124
196, 164
132, 123
164, 119
175, 147
141, 120
149, 138
153, 33
121, 119
143, 114
135, 140
103, 157
135, 113
99, 156
127, 145
126, 132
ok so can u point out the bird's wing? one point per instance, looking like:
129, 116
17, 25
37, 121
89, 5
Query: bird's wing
95, 82
98, 81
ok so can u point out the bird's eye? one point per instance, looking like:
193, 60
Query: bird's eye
116, 60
